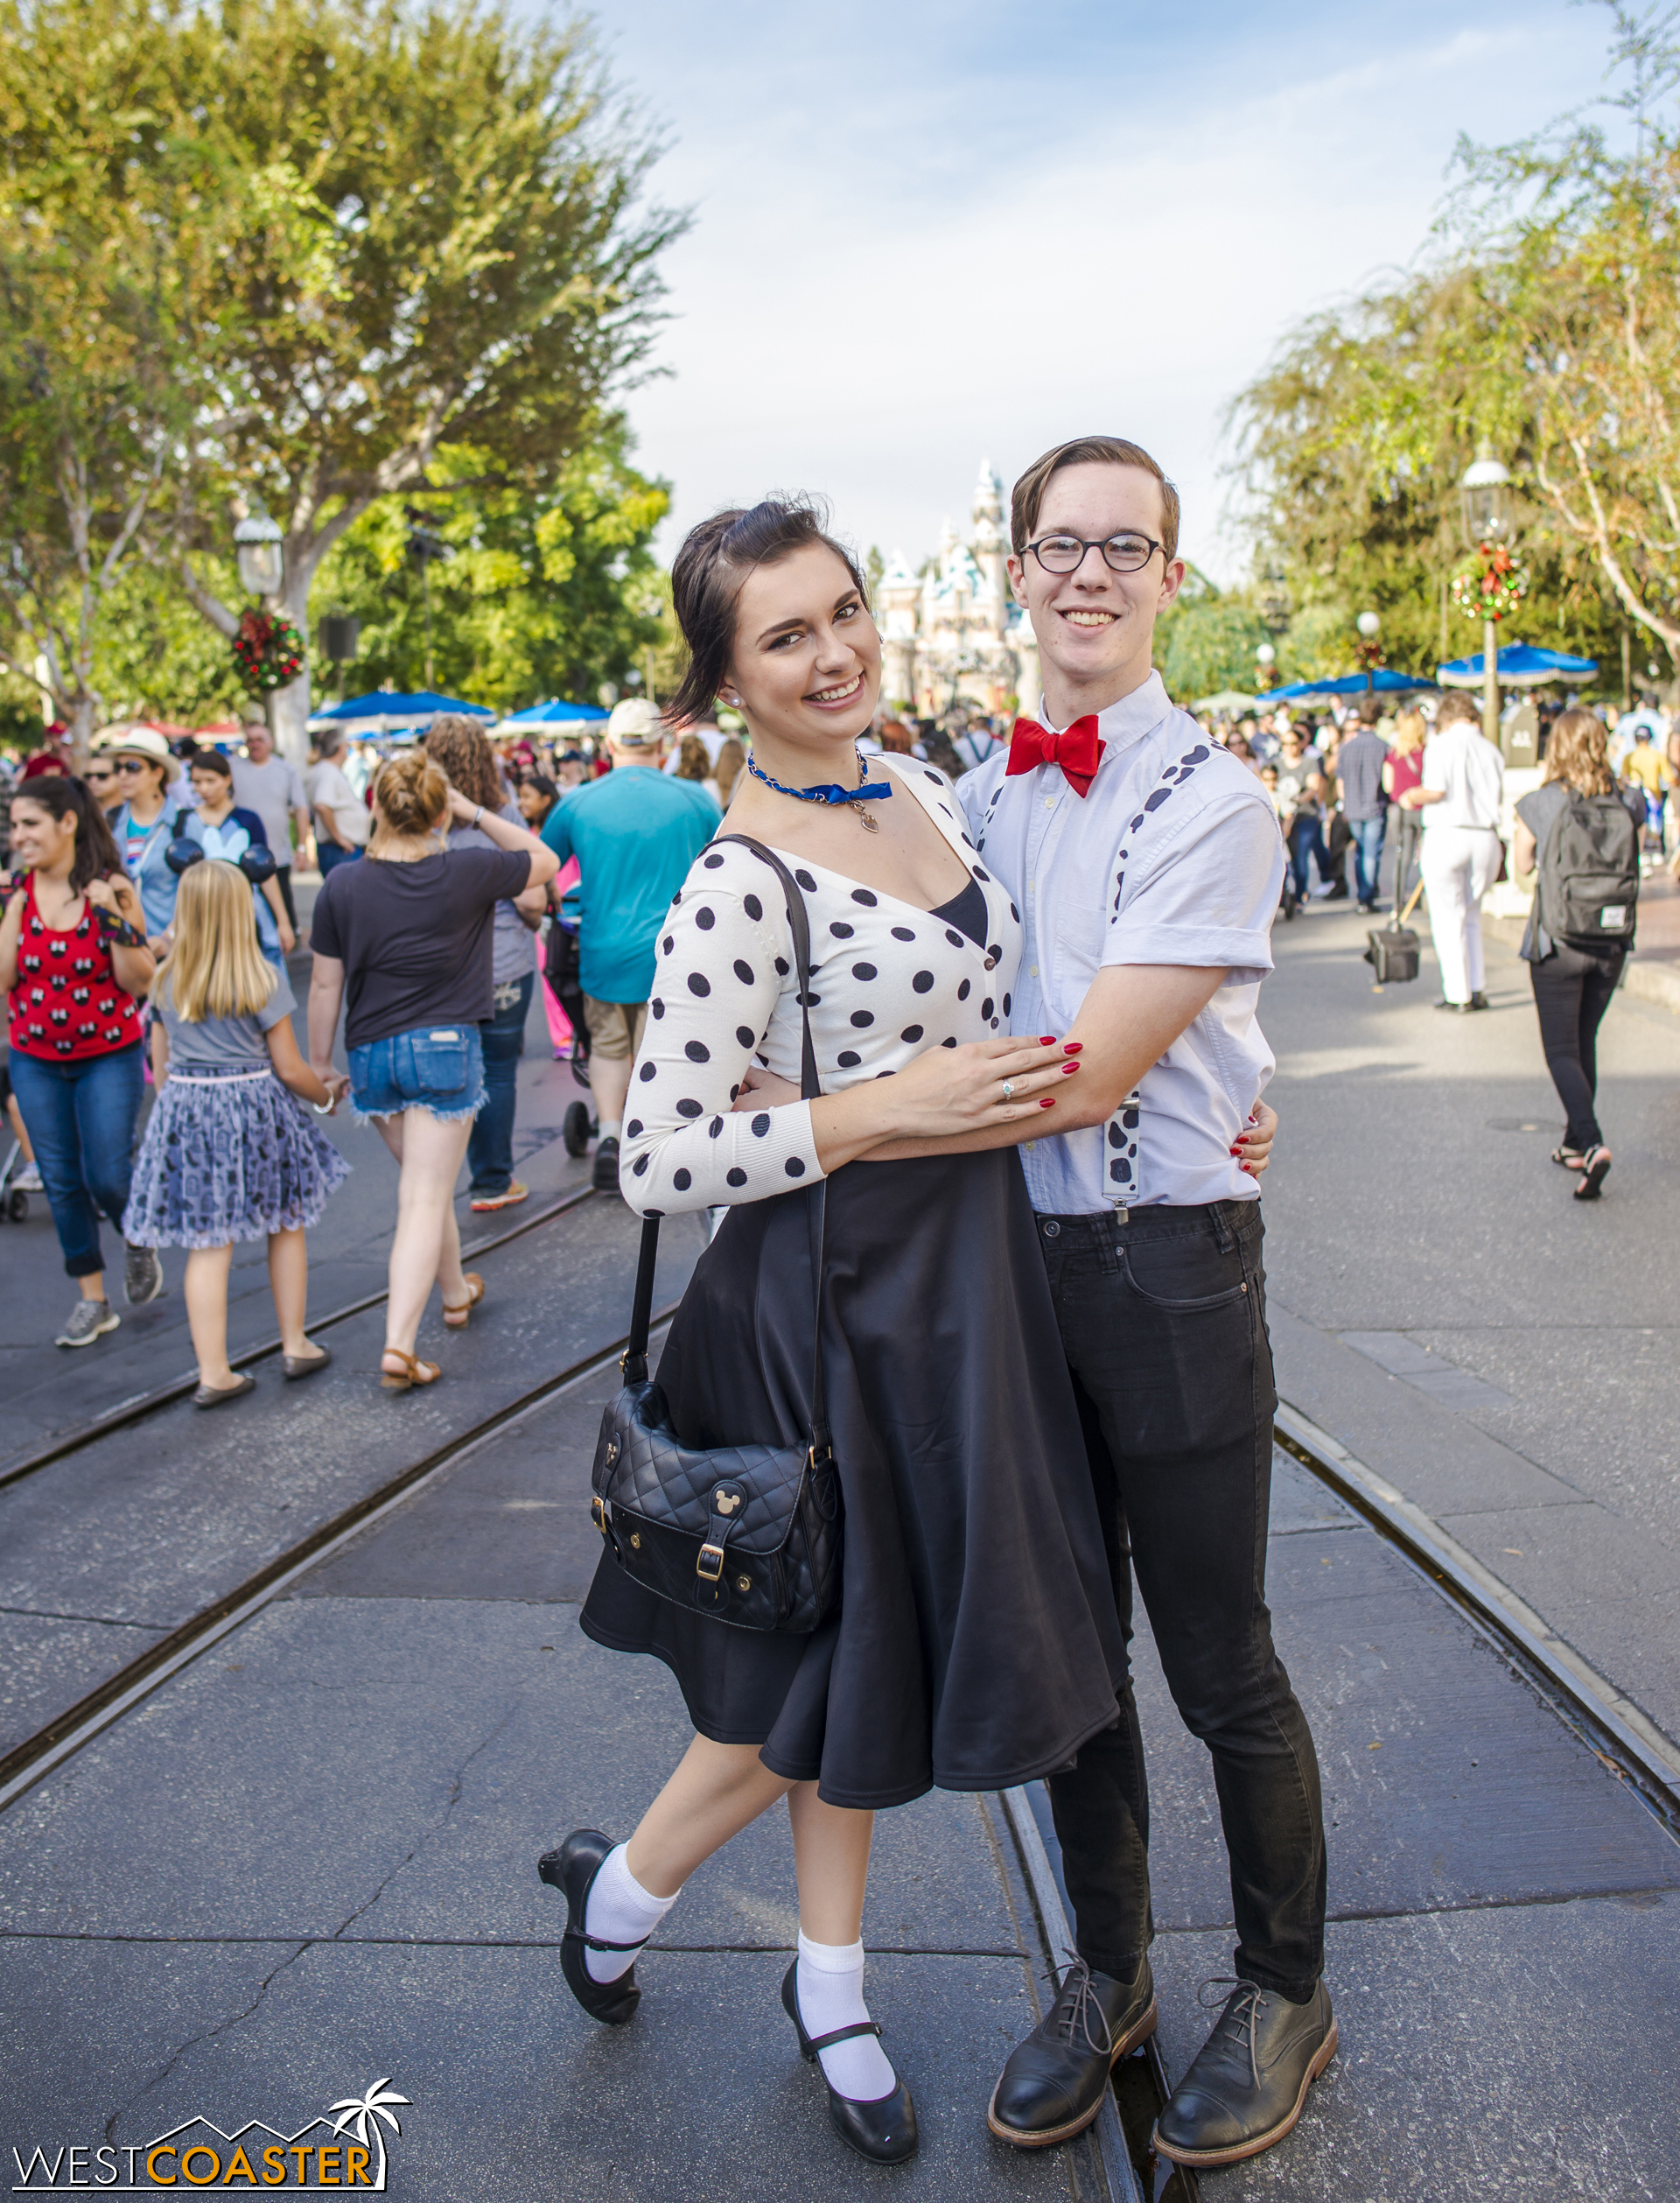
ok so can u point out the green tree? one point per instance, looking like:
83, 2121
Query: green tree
549, 587
1210, 646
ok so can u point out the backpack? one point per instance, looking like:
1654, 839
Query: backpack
1589, 873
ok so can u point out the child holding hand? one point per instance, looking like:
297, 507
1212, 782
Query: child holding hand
229, 1154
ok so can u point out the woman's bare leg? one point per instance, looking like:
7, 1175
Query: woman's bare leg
716, 1791
831, 1857
426, 1247
206, 1313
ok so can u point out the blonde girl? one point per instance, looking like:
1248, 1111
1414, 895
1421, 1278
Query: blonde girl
229, 1154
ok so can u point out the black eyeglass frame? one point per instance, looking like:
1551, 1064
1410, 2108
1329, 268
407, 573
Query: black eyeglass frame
1095, 542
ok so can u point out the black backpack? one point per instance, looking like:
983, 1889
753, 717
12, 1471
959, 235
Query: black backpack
1589, 873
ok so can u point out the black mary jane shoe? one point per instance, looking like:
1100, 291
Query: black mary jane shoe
1054, 2084
884, 2131
572, 1870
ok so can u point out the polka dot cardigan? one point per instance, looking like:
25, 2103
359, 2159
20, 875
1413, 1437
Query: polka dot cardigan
888, 980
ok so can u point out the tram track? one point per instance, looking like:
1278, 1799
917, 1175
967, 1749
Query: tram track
127, 1412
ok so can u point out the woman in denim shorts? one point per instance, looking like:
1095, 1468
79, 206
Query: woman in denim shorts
404, 942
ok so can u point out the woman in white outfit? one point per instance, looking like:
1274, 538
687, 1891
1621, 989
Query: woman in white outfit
1464, 780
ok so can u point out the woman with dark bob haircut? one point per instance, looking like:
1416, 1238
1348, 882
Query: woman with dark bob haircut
976, 1643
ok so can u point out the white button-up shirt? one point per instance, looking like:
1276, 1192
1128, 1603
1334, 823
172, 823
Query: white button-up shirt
1469, 772
1173, 857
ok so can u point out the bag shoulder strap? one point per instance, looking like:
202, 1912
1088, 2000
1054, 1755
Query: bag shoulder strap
634, 1361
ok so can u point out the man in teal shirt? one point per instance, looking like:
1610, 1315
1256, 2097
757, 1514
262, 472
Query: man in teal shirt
634, 834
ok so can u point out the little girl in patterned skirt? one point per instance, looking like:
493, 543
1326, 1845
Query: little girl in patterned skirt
229, 1153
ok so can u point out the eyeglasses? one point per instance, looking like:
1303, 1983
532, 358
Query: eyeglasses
1125, 553
99, 772
132, 764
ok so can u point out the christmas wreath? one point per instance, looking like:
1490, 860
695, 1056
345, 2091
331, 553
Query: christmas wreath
1490, 583
268, 650
1367, 654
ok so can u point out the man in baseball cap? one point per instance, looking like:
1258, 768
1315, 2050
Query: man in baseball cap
634, 834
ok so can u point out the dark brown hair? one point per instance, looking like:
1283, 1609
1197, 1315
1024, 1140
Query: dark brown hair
210, 760
1576, 753
706, 577
60, 797
1027, 496
411, 793
457, 744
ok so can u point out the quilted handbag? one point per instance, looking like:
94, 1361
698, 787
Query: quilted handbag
750, 1533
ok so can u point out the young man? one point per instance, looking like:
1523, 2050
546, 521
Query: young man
1359, 773
1147, 864
1463, 785
634, 835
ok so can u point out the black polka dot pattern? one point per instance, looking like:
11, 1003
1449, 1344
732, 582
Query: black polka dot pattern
887, 981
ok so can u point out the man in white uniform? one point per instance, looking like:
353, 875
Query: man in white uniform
1147, 864
1464, 780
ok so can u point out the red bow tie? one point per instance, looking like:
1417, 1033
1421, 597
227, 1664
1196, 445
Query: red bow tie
1078, 750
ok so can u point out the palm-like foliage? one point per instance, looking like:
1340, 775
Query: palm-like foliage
360, 2115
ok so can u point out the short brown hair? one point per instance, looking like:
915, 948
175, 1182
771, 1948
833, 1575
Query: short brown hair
1577, 753
1088, 451
1456, 706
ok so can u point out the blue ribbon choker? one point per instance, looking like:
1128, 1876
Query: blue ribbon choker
830, 791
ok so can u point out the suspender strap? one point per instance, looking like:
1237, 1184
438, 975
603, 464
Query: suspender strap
634, 1361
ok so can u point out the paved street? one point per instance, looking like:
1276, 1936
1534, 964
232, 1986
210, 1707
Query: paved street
1502, 1354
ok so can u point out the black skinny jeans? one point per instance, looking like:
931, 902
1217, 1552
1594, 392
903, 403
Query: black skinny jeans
1164, 1323
1572, 990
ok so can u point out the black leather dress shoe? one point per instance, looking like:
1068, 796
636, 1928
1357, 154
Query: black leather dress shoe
1249, 2079
572, 1870
1052, 2084
1478, 1001
884, 2130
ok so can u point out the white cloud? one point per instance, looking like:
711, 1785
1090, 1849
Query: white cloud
883, 282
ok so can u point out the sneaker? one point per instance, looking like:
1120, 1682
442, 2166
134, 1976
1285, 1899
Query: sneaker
28, 1180
88, 1320
143, 1274
606, 1179
514, 1194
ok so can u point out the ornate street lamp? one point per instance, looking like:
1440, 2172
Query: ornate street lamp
1487, 506
261, 553
1369, 625
1265, 657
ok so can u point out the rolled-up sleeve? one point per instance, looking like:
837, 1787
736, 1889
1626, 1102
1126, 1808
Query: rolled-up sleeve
1207, 896
718, 975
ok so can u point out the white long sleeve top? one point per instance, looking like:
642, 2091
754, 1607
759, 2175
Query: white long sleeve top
888, 980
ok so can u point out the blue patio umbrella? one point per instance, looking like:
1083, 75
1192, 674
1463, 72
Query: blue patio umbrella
1519, 665
548, 715
387, 711
1383, 682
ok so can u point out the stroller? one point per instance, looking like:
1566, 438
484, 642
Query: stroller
561, 968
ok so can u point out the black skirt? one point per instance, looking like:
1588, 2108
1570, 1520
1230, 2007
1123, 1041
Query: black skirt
977, 1645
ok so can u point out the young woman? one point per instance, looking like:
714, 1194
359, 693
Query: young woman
1573, 984
458, 745
73, 957
407, 935
222, 828
977, 1644
143, 826
229, 1153
1403, 773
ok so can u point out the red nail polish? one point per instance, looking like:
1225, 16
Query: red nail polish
1072, 1048
1047, 1103
1046, 1040
1069, 1066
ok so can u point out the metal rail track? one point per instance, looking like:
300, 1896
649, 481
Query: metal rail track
135, 1410
49, 1747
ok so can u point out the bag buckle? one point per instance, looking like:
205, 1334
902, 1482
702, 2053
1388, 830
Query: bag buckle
597, 1512
709, 1562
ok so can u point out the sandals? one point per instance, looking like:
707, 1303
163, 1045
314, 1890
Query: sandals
458, 1316
415, 1371
1569, 1157
1595, 1167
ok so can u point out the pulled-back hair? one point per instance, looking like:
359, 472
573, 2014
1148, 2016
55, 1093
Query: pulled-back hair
457, 744
61, 797
1577, 753
1026, 499
708, 573
411, 793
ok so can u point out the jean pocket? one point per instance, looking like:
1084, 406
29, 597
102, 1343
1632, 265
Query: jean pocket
360, 1063
425, 1064
1184, 1276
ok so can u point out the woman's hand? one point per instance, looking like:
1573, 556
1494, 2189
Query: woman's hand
102, 895
1253, 1148
762, 1090
458, 806
949, 1090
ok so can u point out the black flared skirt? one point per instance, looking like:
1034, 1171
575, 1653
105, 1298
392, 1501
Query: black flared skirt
977, 1644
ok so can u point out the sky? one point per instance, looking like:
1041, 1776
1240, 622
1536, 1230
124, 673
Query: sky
927, 233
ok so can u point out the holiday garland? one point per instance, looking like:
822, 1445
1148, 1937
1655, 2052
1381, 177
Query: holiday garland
1490, 583
268, 650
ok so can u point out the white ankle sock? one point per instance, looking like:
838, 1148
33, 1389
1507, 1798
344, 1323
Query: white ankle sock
619, 1910
830, 1984
614, 1131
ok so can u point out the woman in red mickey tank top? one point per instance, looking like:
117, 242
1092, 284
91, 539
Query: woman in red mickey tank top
73, 961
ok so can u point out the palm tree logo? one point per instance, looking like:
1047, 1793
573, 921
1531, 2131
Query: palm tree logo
361, 2115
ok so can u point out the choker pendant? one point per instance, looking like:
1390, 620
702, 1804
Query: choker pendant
855, 799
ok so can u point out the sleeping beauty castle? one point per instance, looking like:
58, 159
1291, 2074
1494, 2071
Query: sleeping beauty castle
952, 634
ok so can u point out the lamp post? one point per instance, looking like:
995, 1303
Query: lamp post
1488, 508
1369, 625
261, 554
1265, 657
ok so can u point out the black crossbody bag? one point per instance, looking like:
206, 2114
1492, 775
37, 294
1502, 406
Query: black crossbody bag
749, 1534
